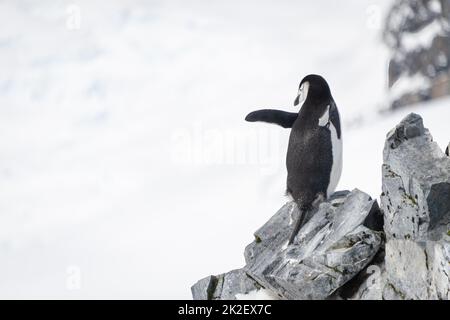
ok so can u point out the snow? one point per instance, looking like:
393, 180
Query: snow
408, 84
257, 294
435, 6
127, 170
412, 41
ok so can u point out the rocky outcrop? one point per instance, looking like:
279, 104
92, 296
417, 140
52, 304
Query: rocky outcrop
416, 206
352, 249
417, 34
225, 286
330, 249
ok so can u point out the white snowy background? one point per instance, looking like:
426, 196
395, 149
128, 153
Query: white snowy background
126, 167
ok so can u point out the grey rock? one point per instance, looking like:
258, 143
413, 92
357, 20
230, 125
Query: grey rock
407, 272
416, 206
204, 288
272, 235
224, 287
416, 183
408, 128
369, 283
329, 250
439, 268
418, 270
392, 293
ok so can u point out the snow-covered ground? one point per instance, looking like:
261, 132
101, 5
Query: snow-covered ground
126, 168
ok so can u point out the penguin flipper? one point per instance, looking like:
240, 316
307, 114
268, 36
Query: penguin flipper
281, 118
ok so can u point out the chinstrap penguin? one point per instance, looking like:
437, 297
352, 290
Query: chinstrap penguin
314, 155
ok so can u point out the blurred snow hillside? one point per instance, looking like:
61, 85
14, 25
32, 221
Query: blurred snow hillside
417, 33
125, 159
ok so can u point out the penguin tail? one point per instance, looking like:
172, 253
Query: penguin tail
298, 224
306, 212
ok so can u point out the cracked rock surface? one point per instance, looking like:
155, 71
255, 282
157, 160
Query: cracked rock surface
351, 248
331, 248
416, 206
225, 286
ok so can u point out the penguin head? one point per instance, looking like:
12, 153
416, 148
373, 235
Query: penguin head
312, 87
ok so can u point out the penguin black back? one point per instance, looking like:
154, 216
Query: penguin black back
314, 156
309, 157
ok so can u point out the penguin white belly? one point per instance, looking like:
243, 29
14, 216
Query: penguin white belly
336, 168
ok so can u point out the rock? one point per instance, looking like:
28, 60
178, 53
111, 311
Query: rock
369, 283
352, 249
331, 248
416, 183
418, 270
447, 151
204, 288
272, 236
226, 286
416, 206
417, 33
372, 288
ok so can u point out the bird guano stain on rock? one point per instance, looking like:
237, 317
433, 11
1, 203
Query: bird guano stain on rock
353, 249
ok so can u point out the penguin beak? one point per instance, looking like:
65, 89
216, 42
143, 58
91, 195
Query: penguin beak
297, 100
